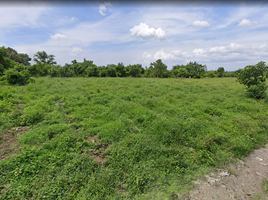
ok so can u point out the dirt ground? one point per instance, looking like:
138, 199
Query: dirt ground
239, 181
8, 141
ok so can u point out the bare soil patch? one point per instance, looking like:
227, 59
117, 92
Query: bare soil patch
98, 152
239, 181
8, 141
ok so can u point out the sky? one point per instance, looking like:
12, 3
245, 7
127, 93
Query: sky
229, 35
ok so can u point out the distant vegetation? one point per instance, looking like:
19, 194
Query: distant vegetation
15, 69
47, 66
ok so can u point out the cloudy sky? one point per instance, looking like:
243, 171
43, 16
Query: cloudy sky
216, 34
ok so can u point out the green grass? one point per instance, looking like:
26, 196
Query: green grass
153, 137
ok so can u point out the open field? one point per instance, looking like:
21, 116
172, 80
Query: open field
118, 138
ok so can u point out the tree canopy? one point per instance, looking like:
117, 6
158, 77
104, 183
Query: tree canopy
22, 58
159, 67
254, 77
43, 57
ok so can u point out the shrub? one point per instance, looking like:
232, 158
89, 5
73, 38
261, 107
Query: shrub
210, 74
14, 77
254, 77
257, 91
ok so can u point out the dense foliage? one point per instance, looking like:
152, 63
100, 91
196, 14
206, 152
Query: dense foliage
14, 77
12, 68
47, 66
42, 57
22, 58
254, 77
118, 138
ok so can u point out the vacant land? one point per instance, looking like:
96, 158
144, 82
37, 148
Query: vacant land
118, 138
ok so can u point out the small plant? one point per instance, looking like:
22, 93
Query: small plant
254, 77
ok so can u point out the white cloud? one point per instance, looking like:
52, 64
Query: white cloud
22, 15
199, 51
200, 23
263, 46
58, 36
74, 18
233, 47
145, 32
102, 7
173, 55
246, 22
76, 50
146, 55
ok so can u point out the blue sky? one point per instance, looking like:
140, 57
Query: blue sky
215, 34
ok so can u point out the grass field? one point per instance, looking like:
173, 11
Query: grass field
119, 138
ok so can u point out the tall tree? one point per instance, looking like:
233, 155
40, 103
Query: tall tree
120, 70
135, 70
43, 57
220, 71
254, 77
22, 58
159, 67
182, 72
196, 70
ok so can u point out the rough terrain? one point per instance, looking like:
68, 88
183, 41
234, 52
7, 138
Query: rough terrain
239, 181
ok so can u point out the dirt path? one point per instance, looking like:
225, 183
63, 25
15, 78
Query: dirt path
242, 180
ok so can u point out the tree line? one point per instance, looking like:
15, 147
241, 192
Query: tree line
14, 64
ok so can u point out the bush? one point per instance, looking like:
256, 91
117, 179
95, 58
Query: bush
210, 74
257, 91
14, 77
254, 77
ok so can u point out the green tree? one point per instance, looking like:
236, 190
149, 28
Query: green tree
175, 69
135, 70
111, 72
182, 72
254, 77
196, 70
159, 67
120, 70
220, 72
149, 72
25, 59
43, 57
22, 58
102, 71
74, 61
